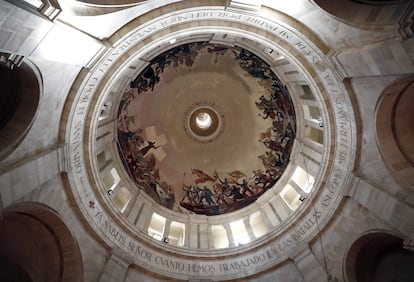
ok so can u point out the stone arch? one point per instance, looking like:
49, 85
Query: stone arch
378, 256
37, 245
21, 91
365, 13
394, 117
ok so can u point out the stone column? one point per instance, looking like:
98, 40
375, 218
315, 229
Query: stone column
297, 188
29, 173
385, 207
229, 234
187, 235
308, 265
144, 218
115, 269
280, 207
249, 228
210, 238
203, 236
272, 217
384, 58
135, 210
104, 142
166, 229
310, 165
193, 235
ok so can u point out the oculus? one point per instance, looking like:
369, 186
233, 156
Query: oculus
203, 120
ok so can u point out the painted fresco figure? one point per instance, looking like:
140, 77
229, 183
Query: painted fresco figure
274, 173
146, 81
235, 193
268, 159
267, 103
260, 72
170, 199
161, 62
268, 113
151, 145
221, 198
273, 145
262, 178
266, 135
206, 194
268, 106
224, 184
188, 194
218, 50
195, 193
153, 78
245, 188
279, 161
139, 83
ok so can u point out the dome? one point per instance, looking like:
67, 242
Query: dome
206, 140
206, 128
156, 171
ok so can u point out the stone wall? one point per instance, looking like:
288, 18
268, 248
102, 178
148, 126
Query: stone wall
368, 61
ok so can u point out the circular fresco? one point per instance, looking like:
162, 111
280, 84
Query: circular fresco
206, 128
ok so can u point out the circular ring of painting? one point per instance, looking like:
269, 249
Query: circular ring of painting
206, 128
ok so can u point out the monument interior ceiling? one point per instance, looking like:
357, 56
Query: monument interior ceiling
206, 140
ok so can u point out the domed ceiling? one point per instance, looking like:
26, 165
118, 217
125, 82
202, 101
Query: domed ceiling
206, 128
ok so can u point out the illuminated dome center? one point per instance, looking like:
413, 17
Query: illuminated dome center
203, 123
203, 120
